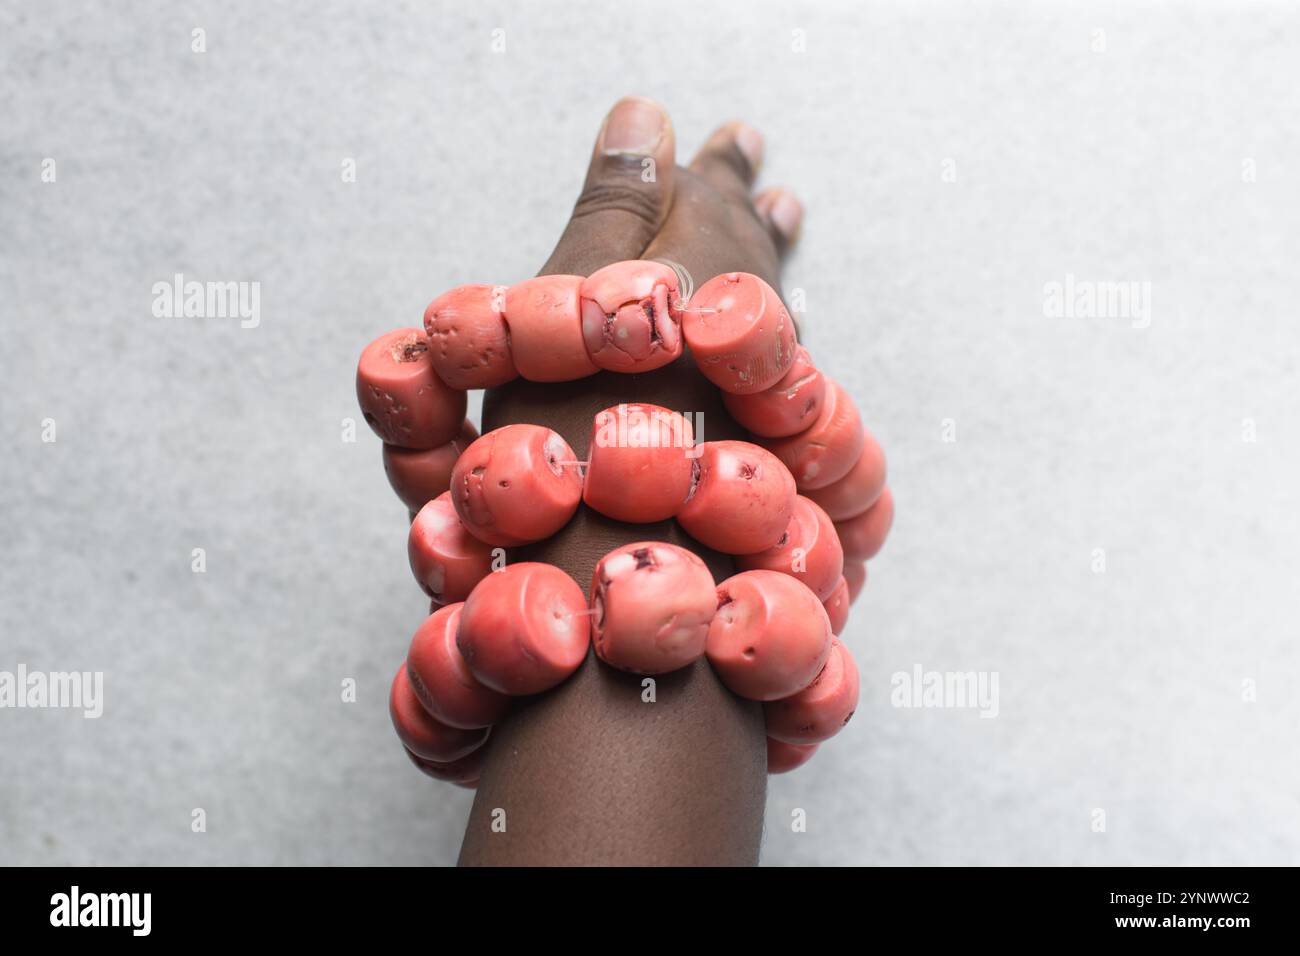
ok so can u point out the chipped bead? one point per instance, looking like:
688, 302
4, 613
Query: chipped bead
401, 396
652, 604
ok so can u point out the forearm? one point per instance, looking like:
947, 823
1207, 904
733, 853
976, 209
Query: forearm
599, 770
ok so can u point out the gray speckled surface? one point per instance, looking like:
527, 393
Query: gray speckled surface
1120, 691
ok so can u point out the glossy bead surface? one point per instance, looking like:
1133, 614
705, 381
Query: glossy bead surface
863, 537
741, 500
860, 488
418, 476
823, 453
524, 628
421, 733
788, 407
640, 462
739, 333
468, 338
442, 680
783, 757
652, 605
631, 316
446, 559
515, 485
820, 710
402, 398
544, 316
809, 550
769, 637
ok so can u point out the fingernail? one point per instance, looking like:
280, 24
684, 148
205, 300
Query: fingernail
750, 143
787, 215
634, 125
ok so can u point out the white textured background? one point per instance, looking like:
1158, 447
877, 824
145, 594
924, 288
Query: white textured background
1121, 691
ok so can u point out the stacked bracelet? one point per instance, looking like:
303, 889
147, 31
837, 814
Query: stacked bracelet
802, 508
654, 609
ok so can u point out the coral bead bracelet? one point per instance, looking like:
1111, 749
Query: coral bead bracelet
801, 509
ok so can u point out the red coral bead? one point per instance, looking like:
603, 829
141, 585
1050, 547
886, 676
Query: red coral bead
640, 462
446, 559
770, 636
741, 500
421, 733
401, 396
788, 407
443, 681
825, 452
739, 333
783, 757
468, 338
837, 607
809, 550
820, 710
863, 537
860, 488
418, 476
652, 605
544, 316
631, 316
515, 485
524, 628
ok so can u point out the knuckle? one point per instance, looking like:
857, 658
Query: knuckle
618, 194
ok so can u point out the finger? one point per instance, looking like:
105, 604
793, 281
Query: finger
627, 193
781, 213
730, 158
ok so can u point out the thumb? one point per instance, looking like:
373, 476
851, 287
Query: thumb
627, 193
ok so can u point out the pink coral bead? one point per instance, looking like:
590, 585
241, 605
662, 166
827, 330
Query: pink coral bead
524, 629
770, 636
863, 537
820, 710
631, 316
837, 607
446, 559
421, 733
741, 336
860, 488
418, 476
640, 462
464, 772
652, 606
515, 485
401, 396
442, 680
544, 316
825, 452
468, 337
742, 498
855, 574
783, 757
788, 407
809, 550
